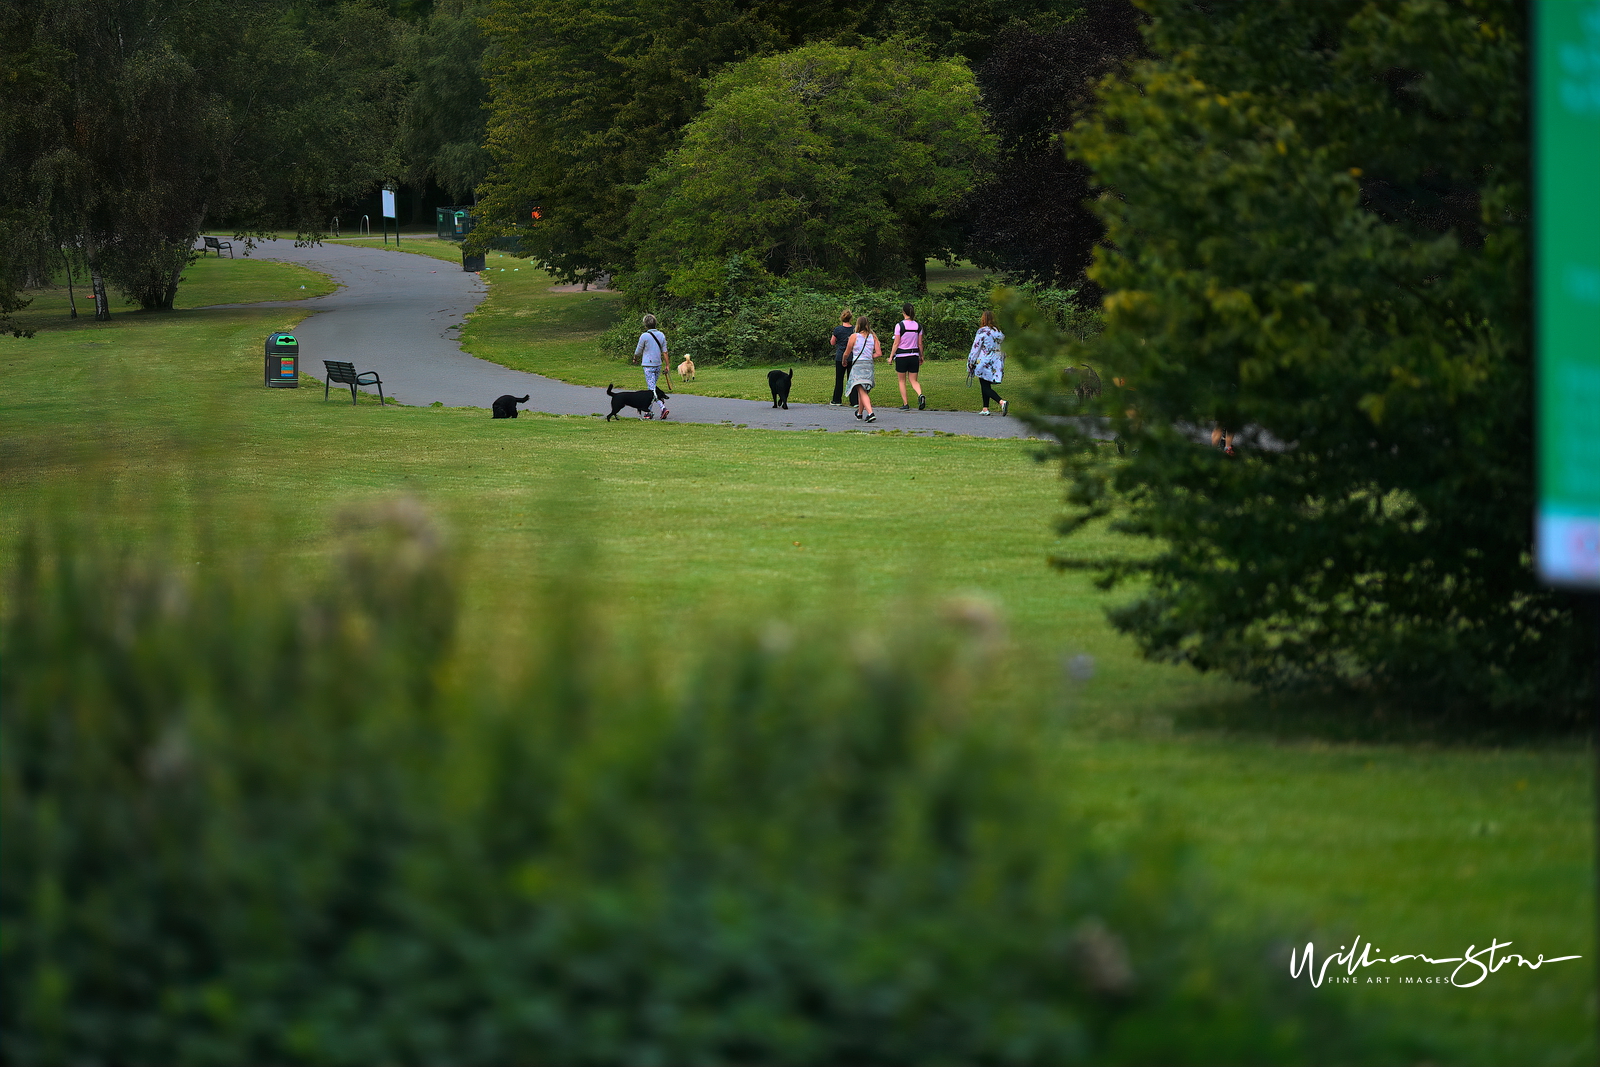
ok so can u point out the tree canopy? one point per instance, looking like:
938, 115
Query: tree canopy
446, 117
588, 97
1031, 218
132, 125
833, 161
1318, 239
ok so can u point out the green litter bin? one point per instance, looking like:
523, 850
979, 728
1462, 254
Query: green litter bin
283, 361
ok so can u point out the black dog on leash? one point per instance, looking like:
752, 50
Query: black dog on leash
638, 398
505, 407
779, 383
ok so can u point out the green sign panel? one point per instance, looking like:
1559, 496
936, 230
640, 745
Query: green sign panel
1567, 287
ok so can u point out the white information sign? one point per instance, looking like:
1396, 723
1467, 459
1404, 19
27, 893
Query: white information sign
388, 204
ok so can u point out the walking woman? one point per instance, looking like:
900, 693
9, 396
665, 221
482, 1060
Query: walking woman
651, 351
908, 357
859, 352
987, 361
841, 333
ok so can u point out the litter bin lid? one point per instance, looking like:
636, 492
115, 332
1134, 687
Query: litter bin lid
284, 339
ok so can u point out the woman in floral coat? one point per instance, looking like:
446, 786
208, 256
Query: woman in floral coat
987, 361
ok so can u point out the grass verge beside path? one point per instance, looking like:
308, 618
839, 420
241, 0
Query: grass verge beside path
209, 280
157, 425
448, 251
206, 281
523, 325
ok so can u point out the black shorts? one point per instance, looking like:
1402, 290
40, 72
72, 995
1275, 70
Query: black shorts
907, 364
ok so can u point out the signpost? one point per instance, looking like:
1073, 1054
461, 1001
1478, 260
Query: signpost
1566, 167
390, 213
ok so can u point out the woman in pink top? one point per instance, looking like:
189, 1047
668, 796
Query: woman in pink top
908, 357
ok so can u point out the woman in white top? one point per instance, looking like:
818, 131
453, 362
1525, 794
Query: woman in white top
651, 352
859, 352
987, 361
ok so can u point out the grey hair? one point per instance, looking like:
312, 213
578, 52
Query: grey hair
649, 322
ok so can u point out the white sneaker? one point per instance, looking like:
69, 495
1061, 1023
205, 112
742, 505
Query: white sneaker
985, 411
1005, 407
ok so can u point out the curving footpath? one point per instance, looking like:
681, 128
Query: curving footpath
396, 312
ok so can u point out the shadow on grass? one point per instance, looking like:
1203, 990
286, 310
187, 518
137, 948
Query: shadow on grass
1350, 718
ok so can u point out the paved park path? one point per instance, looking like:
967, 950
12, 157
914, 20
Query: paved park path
397, 313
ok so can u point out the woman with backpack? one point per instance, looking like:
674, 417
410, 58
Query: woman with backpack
651, 352
987, 362
859, 352
908, 357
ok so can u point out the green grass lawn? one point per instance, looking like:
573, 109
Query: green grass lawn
208, 280
157, 426
420, 245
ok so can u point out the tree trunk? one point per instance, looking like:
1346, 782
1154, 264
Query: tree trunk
72, 301
171, 293
97, 281
102, 306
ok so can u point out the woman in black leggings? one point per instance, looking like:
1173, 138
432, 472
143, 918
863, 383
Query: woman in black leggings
988, 362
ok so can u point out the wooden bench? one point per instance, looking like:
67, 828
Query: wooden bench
345, 374
218, 245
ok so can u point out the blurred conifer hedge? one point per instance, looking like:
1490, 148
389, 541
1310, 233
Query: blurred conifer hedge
255, 820
1317, 237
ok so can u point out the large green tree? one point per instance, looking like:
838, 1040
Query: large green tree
840, 161
588, 97
1032, 218
446, 115
1319, 238
133, 124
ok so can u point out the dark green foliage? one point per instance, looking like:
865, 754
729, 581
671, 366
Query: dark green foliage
589, 97
842, 163
133, 125
243, 825
1032, 218
790, 323
446, 115
1319, 240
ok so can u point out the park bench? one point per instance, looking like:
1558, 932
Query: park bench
218, 246
345, 374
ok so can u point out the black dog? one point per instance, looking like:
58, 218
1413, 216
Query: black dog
779, 383
638, 398
505, 407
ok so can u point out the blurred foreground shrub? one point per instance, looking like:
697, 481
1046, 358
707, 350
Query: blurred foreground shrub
247, 825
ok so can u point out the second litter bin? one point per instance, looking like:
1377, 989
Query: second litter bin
469, 262
283, 361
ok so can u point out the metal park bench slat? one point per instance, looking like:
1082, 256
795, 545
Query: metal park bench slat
345, 374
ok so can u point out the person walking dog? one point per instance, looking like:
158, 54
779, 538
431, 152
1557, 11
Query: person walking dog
651, 352
837, 338
909, 357
987, 361
860, 350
